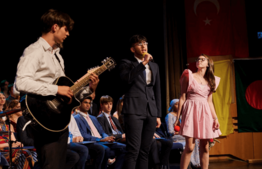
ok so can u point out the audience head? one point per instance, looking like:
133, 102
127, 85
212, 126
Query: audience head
10, 89
85, 104
174, 105
4, 85
119, 105
2, 101
15, 104
106, 103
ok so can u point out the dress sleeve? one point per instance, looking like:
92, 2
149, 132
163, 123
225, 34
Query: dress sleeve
185, 80
217, 80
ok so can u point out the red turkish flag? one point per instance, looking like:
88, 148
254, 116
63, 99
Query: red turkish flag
216, 27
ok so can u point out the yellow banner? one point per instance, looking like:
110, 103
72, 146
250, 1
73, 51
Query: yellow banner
223, 96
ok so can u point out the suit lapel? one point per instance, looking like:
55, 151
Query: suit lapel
135, 63
107, 125
85, 122
151, 65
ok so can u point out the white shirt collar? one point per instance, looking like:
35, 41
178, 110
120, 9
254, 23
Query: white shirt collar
46, 45
106, 115
83, 114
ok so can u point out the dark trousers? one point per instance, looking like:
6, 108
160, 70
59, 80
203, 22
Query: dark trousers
139, 135
72, 158
97, 152
117, 150
159, 153
51, 148
165, 146
82, 153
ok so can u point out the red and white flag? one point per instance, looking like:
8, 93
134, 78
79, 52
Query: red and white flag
216, 27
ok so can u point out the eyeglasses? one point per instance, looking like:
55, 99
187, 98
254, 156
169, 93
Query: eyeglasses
202, 59
142, 43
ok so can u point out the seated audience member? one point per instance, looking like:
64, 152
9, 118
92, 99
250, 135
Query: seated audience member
91, 130
93, 107
26, 137
21, 158
118, 113
4, 88
12, 96
82, 150
14, 104
2, 102
110, 124
170, 120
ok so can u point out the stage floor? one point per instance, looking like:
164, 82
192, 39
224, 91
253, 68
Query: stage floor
227, 165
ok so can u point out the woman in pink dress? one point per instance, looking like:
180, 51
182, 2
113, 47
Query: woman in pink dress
199, 119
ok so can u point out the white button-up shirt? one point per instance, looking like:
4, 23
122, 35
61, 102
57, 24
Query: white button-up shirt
73, 128
148, 72
38, 68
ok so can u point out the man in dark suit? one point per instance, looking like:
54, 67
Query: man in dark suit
109, 123
91, 130
142, 102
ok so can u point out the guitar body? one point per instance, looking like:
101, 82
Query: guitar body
53, 113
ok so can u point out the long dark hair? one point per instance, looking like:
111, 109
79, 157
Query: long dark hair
119, 106
209, 75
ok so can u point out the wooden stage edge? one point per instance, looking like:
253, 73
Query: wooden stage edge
220, 158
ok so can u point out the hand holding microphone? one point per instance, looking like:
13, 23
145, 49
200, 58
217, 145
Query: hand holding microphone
147, 57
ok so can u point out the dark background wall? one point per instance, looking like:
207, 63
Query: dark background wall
102, 29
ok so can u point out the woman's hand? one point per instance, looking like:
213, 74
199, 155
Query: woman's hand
176, 122
17, 144
216, 124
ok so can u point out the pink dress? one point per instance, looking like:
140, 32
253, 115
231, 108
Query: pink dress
197, 120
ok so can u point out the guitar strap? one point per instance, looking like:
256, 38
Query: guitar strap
59, 62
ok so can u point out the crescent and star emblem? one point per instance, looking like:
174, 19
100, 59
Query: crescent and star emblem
215, 2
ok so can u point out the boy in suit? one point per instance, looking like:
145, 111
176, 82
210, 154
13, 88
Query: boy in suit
142, 102
109, 123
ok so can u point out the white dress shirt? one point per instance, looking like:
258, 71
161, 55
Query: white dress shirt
148, 72
38, 68
73, 128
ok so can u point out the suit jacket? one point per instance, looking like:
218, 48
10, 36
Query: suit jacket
85, 128
138, 94
107, 126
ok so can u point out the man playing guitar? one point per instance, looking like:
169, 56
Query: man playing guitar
37, 69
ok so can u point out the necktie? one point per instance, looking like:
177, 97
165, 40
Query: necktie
92, 127
112, 124
144, 73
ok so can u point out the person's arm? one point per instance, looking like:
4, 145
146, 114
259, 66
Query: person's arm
128, 72
182, 99
22, 135
213, 112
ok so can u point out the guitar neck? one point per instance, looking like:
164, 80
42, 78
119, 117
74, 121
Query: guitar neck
85, 79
